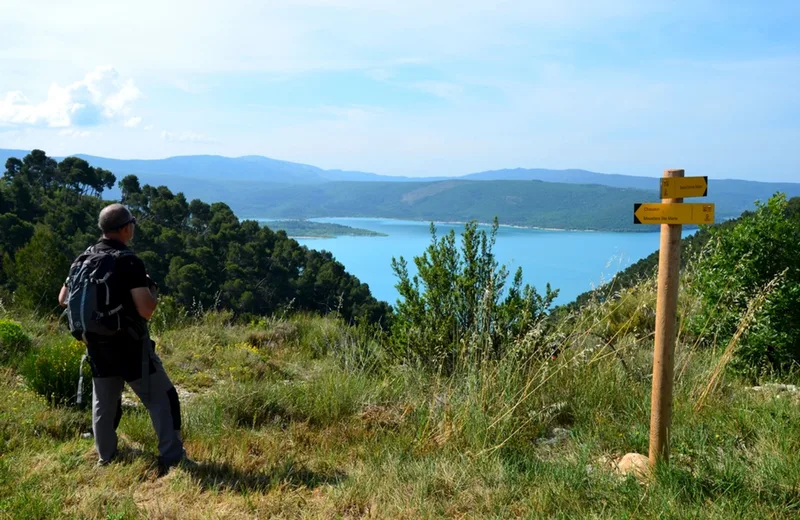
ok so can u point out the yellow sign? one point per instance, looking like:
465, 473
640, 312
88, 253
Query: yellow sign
681, 187
673, 213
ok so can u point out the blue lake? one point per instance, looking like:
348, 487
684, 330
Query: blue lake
572, 261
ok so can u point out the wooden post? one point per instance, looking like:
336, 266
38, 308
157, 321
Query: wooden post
669, 261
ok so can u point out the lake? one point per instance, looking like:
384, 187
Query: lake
572, 261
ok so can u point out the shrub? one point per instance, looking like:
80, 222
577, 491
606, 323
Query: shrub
13, 340
459, 302
279, 334
168, 315
38, 270
244, 362
53, 371
763, 247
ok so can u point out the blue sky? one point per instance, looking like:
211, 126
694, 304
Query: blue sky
413, 87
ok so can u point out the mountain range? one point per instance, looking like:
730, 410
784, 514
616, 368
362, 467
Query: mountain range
257, 186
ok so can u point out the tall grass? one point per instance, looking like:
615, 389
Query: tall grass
303, 416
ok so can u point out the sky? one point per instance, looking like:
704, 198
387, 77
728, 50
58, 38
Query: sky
412, 87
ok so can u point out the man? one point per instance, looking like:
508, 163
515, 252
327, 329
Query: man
121, 358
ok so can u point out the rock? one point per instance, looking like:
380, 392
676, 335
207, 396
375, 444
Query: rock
634, 464
86, 435
776, 387
556, 436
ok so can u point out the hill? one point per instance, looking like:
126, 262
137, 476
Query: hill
261, 187
536, 204
201, 254
246, 168
520, 203
265, 169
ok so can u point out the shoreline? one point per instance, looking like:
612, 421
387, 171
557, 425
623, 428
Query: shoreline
486, 224
645, 229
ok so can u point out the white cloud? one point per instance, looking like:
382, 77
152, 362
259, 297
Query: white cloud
71, 132
186, 137
147, 128
133, 122
101, 96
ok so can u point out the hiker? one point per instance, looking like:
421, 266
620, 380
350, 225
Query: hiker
109, 298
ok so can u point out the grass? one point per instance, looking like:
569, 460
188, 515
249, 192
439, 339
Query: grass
302, 418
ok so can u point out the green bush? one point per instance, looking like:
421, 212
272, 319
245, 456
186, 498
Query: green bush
53, 371
13, 340
761, 251
38, 270
168, 315
459, 303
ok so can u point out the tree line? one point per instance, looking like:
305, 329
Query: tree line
201, 254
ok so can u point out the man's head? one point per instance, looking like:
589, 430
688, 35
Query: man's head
117, 222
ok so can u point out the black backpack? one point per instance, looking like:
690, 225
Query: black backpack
92, 306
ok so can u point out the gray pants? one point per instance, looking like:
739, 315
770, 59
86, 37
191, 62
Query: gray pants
163, 405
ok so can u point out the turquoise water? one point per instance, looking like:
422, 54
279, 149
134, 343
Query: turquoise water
572, 261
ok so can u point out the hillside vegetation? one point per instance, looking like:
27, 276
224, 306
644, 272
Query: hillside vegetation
201, 254
523, 203
473, 401
260, 187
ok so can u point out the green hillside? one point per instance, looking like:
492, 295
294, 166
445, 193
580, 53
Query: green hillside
201, 254
260, 187
523, 203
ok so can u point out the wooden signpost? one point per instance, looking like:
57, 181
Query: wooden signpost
671, 214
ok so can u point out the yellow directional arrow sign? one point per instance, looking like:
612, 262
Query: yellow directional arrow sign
673, 213
681, 187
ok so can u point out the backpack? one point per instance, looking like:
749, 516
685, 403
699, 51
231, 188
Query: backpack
92, 306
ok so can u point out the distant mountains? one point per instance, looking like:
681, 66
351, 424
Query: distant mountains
247, 168
257, 186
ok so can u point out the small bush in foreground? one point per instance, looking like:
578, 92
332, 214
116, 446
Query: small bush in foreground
53, 371
761, 250
459, 298
13, 340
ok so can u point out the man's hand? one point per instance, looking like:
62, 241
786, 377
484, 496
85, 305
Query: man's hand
145, 300
62, 296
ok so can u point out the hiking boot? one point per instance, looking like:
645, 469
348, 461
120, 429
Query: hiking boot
184, 463
105, 462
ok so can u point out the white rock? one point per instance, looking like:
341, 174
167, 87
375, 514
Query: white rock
634, 464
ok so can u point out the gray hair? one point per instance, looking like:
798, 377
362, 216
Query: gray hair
113, 218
